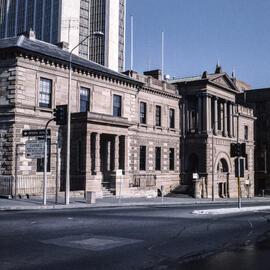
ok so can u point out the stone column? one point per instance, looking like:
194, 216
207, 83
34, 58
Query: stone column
126, 169
215, 115
233, 124
97, 154
207, 113
109, 155
199, 113
116, 153
231, 120
225, 119
88, 164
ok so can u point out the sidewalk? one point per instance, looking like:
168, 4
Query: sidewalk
35, 203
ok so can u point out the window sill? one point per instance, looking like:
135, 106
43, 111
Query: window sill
172, 129
44, 109
143, 125
158, 128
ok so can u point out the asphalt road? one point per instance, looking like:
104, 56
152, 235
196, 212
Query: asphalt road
132, 238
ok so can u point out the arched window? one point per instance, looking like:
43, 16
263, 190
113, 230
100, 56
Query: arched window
223, 166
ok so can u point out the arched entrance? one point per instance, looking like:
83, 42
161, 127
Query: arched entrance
223, 178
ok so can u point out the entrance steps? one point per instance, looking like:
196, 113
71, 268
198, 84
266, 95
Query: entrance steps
108, 193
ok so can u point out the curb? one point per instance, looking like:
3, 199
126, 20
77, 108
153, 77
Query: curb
116, 205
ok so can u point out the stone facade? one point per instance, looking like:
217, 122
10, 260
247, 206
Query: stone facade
105, 148
212, 120
131, 134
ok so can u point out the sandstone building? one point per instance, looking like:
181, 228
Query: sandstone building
124, 133
131, 134
211, 121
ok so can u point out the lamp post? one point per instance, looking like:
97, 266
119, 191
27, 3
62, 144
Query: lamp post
67, 193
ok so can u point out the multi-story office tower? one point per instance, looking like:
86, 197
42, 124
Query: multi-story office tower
71, 21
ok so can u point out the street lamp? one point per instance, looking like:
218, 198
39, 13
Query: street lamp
96, 34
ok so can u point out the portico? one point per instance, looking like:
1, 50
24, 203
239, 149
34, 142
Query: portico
106, 162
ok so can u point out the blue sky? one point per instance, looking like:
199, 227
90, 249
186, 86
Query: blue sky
198, 32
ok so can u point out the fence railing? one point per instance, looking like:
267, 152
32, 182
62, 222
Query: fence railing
6, 185
25, 184
143, 180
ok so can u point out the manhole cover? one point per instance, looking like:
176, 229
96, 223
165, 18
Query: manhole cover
94, 243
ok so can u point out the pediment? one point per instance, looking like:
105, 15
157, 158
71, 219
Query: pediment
224, 81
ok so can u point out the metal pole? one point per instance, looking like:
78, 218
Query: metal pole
131, 42
57, 171
162, 55
213, 170
67, 190
45, 164
16, 172
238, 174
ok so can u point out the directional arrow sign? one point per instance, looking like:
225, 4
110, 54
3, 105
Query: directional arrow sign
35, 132
34, 149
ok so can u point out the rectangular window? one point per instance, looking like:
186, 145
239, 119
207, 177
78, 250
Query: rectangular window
117, 106
171, 159
246, 133
45, 93
158, 159
142, 158
84, 99
158, 116
40, 161
142, 112
172, 118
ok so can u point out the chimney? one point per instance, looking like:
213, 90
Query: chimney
63, 45
156, 74
29, 34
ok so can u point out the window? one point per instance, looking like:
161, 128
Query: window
171, 159
84, 99
158, 159
158, 116
142, 112
172, 118
40, 161
246, 133
117, 106
45, 93
142, 158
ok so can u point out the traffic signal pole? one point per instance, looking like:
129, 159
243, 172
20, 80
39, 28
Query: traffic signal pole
45, 180
238, 165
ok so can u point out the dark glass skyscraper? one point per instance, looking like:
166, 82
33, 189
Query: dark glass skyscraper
71, 21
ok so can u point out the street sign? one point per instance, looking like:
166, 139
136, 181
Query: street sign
34, 149
35, 132
195, 176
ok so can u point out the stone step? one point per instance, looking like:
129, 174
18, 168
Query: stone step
107, 193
